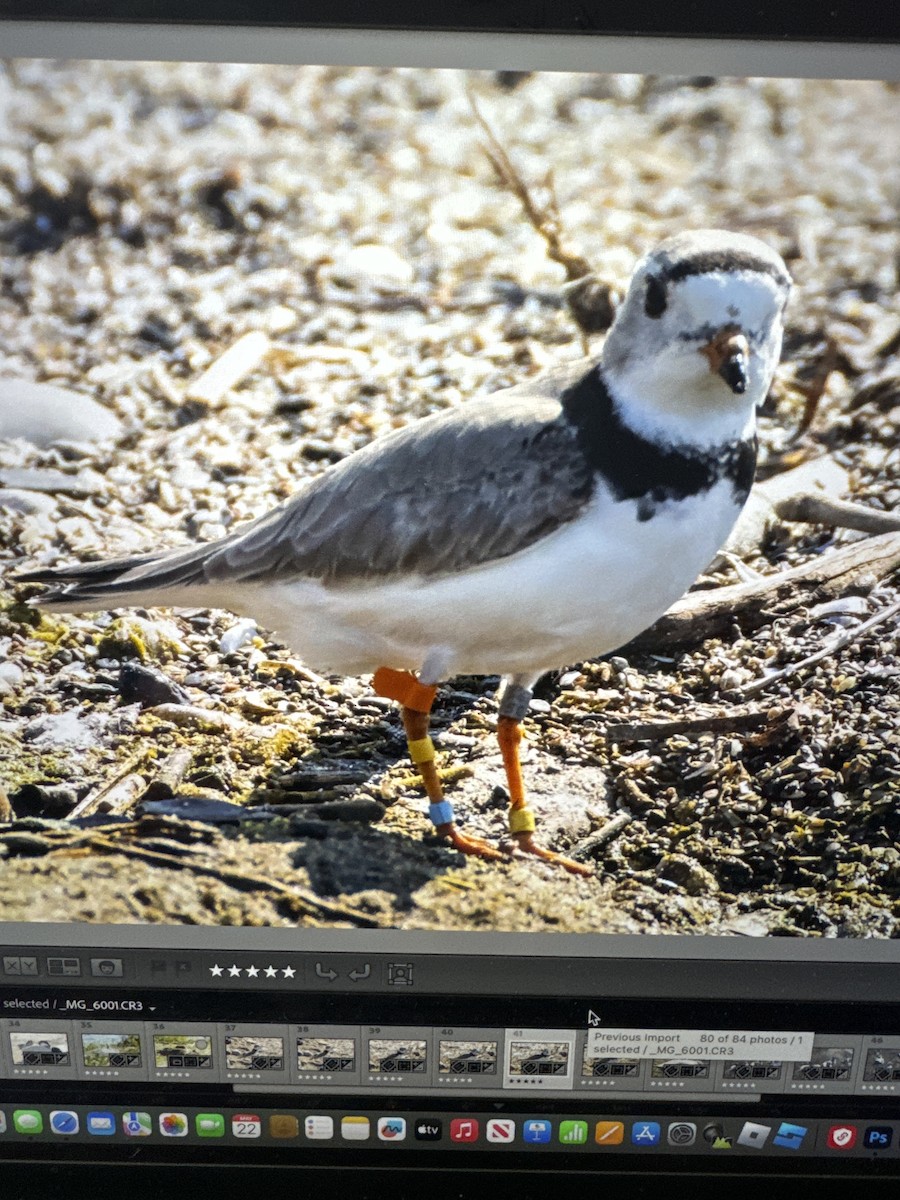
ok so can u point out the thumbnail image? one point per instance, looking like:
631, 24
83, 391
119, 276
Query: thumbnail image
611, 1068
44, 1050
360, 348
752, 1070
826, 1066
539, 1058
254, 1054
111, 1049
467, 1058
326, 1055
182, 1051
387, 1056
664, 1068
882, 1066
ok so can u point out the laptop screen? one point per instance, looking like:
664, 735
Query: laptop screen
448, 605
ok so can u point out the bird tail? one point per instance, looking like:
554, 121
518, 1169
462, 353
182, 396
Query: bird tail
166, 578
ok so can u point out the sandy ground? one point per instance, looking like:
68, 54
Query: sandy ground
150, 216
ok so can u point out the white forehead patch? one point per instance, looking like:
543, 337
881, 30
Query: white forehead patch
748, 298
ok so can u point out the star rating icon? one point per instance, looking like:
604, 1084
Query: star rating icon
252, 972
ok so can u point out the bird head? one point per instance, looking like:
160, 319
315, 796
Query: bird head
695, 343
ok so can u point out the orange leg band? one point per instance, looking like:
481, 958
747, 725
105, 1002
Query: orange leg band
403, 687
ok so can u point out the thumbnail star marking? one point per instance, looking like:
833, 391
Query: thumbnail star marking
216, 971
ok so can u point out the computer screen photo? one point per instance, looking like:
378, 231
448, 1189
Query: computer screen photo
449, 548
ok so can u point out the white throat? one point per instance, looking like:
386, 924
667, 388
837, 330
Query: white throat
669, 411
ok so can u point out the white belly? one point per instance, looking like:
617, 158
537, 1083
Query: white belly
584, 590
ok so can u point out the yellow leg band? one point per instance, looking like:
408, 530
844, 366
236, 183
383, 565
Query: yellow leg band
421, 750
521, 820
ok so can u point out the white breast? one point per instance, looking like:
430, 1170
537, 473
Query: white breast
584, 590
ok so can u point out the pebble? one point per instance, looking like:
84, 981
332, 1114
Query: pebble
237, 635
688, 874
194, 808
46, 799
42, 414
357, 809
147, 686
373, 264
27, 503
11, 676
41, 479
61, 729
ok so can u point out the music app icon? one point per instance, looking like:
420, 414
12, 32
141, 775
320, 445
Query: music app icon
464, 1129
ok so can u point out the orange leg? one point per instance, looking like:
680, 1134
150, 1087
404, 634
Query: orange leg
416, 700
521, 818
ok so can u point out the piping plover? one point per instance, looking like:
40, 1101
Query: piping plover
520, 532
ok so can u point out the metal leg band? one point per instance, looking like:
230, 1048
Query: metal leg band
515, 701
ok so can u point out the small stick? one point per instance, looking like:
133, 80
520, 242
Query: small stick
839, 643
611, 829
815, 508
813, 390
165, 783
653, 731
545, 219
115, 797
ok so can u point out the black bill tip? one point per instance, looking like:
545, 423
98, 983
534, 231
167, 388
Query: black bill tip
734, 371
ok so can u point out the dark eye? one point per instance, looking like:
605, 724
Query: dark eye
655, 297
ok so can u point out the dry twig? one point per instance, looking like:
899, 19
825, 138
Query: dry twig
656, 731
813, 389
844, 639
591, 301
610, 830
167, 780
117, 796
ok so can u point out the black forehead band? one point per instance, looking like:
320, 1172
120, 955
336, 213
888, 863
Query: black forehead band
731, 260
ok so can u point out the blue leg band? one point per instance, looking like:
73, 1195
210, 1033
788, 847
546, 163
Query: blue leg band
442, 813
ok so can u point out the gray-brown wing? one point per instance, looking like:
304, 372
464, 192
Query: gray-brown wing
449, 492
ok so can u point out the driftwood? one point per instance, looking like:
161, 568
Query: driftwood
116, 797
707, 614
814, 508
656, 731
